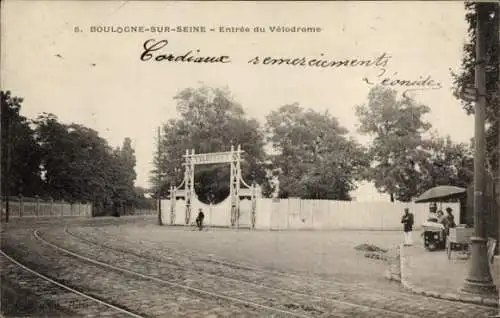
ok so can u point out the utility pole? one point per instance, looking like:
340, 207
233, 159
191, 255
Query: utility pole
6, 182
497, 61
497, 17
159, 177
479, 279
496, 58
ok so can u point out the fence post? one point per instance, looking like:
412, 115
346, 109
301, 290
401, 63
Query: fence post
62, 207
21, 205
79, 209
288, 214
51, 211
37, 205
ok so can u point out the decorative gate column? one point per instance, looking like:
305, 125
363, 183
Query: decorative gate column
234, 190
189, 181
254, 207
232, 157
173, 198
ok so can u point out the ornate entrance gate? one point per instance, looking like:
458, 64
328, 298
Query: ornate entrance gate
238, 188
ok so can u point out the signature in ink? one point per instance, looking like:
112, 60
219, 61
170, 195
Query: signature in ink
410, 84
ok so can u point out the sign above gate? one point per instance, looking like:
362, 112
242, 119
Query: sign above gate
236, 192
211, 158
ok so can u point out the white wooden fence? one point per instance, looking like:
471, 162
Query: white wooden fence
329, 214
298, 214
34, 207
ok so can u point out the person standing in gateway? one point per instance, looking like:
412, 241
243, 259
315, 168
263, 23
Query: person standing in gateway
199, 219
407, 221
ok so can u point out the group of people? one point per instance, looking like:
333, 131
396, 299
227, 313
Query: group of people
447, 221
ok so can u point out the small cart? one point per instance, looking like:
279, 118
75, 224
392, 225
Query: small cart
458, 237
434, 238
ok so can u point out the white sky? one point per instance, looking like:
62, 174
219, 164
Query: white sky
123, 97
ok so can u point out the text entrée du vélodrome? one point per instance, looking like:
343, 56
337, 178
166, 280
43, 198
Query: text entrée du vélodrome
201, 29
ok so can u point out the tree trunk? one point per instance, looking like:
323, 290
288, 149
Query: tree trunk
392, 197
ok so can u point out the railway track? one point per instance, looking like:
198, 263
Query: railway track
227, 266
196, 254
49, 222
363, 296
213, 286
280, 300
75, 301
146, 296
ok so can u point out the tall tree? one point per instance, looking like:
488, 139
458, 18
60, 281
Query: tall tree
124, 175
210, 121
397, 126
75, 161
465, 77
20, 153
447, 163
78, 164
313, 153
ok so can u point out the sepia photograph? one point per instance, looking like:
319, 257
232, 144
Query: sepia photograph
205, 159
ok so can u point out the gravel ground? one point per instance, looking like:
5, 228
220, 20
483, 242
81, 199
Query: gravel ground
310, 274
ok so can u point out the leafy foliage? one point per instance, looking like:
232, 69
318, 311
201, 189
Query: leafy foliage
313, 154
397, 126
63, 161
446, 163
466, 75
124, 173
405, 163
210, 121
20, 152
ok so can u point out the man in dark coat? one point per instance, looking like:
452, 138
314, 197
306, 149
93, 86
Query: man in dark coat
199, 219
407, 221
449, 221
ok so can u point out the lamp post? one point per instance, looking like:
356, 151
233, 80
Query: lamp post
479, 279
497, 38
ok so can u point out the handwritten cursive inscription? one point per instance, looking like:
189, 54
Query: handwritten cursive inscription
380, 62
410, 84
153, 52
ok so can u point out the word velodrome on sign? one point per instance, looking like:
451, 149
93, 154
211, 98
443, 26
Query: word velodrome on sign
208, 158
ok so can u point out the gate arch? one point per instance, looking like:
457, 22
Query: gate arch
238, 188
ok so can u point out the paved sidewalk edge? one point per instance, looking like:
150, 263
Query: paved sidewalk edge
478, 300
393, 272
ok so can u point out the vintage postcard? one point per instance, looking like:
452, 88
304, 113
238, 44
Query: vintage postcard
249, 159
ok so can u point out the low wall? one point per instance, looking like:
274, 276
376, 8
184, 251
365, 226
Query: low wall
142, 212
297, 214
329, 215
36, 208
